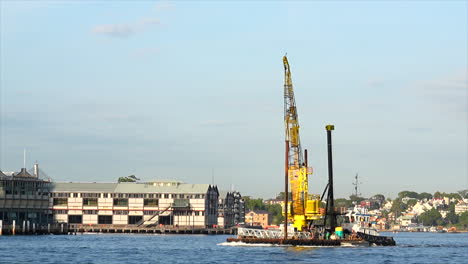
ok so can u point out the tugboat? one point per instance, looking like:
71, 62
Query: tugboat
357, 221
310, 226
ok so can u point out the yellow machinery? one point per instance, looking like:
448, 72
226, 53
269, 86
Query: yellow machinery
303, 208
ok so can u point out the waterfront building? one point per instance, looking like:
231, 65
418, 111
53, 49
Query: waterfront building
274, 201
258, 218
226, 209
24, 197
239, 209
231, 209
461, 207
153, 203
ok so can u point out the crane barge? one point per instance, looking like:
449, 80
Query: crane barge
304, 208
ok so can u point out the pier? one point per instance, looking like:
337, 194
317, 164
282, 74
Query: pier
28, 228
133, 229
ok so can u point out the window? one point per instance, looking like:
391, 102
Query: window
60, 201
149, 212
134, 219
61, 211
120, 202
105, 219
151, 202
75, 195
90, 201
90, 195
90, 212
105, 195
75, 219
120, 212
166, 195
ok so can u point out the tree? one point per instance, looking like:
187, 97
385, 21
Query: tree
275, 211
131, 178
409, 194
341, 202
254, 204
379, 197
430, 218
463, 220
411, 203
425, 195
355, 198
398, 207
463, 193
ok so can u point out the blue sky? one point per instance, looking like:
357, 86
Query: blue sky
190, 90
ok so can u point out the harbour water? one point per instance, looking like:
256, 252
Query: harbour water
138, 248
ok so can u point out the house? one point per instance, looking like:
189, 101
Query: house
258, 218
461, 207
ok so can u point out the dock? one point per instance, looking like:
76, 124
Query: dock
27, 228
133, 229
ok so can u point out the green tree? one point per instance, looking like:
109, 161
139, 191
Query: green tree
398, 207
341, 202
430, 218
379, 197
425, 195
463, 193
451, 217
356, 199
409, 194
275, 211
254, 204
463, 220
131, 178
411, 203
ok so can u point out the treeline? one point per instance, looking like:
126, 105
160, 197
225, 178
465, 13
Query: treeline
407, 199
404, 201
273, 209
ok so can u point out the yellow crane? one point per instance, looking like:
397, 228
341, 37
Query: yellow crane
304, 207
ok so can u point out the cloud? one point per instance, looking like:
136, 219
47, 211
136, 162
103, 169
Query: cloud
125, 30
163, 5
145, 52
449, 92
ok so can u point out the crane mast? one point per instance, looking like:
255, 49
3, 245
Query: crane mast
303, 207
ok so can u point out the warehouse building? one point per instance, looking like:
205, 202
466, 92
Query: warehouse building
24, 197
143, 204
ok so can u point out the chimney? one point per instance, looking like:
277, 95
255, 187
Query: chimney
36, 170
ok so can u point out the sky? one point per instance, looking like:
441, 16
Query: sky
193, 91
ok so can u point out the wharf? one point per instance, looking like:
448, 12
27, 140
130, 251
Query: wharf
75, 228
34, 229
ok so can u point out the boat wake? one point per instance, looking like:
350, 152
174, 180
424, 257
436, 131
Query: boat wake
242, 244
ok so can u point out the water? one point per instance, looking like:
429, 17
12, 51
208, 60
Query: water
136, 248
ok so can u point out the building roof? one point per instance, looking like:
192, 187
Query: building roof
259, 211
128, 187
2, 174
23, 173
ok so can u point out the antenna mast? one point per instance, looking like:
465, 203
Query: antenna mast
356, 185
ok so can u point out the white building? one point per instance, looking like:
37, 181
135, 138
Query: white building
154, 203
461, 207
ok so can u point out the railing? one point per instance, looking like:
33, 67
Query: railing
142, 221
261, 233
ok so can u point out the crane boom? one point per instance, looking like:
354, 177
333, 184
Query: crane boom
304, 207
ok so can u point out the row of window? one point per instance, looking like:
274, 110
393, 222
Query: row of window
123, 212
116, 202
127, 195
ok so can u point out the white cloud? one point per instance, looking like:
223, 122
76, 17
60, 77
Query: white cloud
125, 30
163, 5
450, 92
